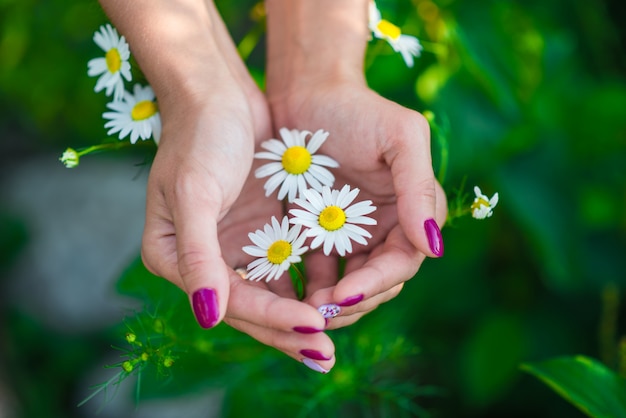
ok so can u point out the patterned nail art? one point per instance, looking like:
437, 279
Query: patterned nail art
330, 310
313, 365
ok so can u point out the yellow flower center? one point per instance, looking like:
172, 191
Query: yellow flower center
113, 59
479, 202
278, 252
144, 110
332, 218
389, 29
296, 160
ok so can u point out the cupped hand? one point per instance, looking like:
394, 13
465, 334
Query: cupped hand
384, 150
270, 312
199, 212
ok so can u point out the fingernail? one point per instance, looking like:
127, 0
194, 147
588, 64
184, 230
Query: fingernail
352, 300
433, 233
306, 330
313, 354
330, 310
313, 365
205, 307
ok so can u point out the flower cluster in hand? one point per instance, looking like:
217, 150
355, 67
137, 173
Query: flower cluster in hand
131, 113
328, 216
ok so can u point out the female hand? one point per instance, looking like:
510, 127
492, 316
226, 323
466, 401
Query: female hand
383, 149
196, 225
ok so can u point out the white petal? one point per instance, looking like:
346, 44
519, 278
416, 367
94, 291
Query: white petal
329, 242
356, 233
268, 156
360, 208
96, 66
287, 136
301, 187
324, 160
312, 181
254, 251
323, 175
327, 197
290, 183
273, 182
494, 200
342, 242
317, 241
346, 196
362, 220
274, 146
316, 141
260, 239
315, 199
257, 262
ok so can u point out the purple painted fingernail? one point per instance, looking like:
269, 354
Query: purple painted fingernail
205, 307
313, 365
433, 233
306, 330
313, 354
352, 300
330, 310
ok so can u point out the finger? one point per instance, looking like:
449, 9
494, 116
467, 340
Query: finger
408, 155
395, 263
204, 274
352, 314
315, 351
285, 324
255, 304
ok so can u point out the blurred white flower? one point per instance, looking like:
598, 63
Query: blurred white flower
136, 114
114, 67
70, 158
482, 207
408, 46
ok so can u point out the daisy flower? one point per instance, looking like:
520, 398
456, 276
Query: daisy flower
277, 246
295, 164
332, 219
408, 46
114, 67
136, 114
483, 206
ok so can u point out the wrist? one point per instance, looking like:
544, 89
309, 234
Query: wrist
309, 43
173, 43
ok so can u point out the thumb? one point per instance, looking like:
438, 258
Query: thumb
202, 269
415, 185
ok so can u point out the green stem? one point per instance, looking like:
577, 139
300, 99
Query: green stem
298, 280
103, 147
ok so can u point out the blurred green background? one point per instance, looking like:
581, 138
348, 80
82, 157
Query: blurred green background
533, 95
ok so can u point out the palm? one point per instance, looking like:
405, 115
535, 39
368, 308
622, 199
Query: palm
366, 151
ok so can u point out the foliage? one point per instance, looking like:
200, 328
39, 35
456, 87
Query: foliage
587, 383
528, 98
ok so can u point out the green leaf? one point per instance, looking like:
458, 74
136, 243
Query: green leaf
585, 382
